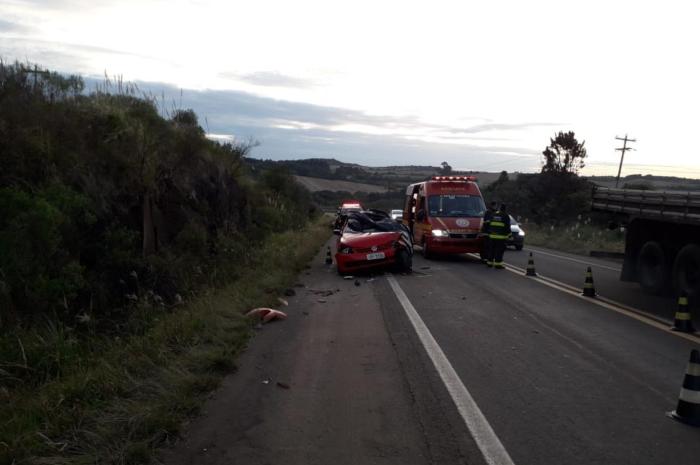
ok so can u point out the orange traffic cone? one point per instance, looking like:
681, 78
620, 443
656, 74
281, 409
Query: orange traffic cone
329, 259
530, 271
588, 286
688, 409
682, 321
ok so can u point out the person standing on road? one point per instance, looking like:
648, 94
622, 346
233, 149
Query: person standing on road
499, 232
486, 244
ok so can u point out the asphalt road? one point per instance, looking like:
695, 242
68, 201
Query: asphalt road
570, 269
547, 377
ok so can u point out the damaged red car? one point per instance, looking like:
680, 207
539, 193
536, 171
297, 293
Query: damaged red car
370, 239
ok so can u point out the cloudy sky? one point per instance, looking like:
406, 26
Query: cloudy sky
482, 85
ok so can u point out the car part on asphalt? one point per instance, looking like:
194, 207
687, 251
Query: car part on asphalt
266, 314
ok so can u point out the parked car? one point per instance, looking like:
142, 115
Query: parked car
345, 207
517, 239
370, 239
396, 215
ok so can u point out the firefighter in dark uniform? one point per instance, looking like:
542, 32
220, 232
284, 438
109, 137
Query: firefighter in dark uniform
499, 231
486, 245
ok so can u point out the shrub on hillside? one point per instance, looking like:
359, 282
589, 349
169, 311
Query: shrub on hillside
103, 200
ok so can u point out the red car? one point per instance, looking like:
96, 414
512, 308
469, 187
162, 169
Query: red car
371, 239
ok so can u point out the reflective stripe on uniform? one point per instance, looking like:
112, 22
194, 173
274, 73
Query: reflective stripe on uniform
497, 223
498, 236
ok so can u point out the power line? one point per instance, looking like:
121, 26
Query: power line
622, 150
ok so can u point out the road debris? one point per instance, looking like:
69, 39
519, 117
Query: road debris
266, 314
369, 280
357, 282
290, 292
323, 292
283, 385
348, 277
266, 381
322, 301
282, 301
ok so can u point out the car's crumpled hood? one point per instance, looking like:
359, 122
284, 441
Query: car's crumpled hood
368, 239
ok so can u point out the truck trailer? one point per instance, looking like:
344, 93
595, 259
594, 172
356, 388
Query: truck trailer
662, 241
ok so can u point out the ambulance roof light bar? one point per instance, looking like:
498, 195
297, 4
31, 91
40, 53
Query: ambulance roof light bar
454, 178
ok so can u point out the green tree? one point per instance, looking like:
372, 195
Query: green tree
564, 155
446, 168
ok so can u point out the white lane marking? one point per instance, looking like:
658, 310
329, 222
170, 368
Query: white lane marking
608, 304
667, 323
490, 446
539, 251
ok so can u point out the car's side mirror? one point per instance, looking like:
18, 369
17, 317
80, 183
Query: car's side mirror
336, 232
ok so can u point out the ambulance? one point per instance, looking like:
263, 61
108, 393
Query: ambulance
445, 214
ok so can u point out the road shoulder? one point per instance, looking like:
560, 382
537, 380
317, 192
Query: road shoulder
323, 386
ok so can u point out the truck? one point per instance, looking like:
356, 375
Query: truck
444, 215
662, 239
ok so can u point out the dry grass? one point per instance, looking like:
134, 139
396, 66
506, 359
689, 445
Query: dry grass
579, 238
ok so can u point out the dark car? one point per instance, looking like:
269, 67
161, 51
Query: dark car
517, 239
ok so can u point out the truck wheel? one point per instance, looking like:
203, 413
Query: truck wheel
686, 270
404, 261
652, 268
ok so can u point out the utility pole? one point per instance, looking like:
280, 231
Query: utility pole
622, 154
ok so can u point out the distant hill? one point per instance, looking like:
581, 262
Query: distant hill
351, 177
320, 184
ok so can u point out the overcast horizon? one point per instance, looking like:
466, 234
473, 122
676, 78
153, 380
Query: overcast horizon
481, 86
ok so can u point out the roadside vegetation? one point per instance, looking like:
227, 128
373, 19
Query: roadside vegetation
579, 238
129, 246
107, 399
554, 205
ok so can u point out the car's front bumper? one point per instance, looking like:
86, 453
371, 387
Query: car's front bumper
450, 245
358, 261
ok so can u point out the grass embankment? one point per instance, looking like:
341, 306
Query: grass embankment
115, 400
578, 238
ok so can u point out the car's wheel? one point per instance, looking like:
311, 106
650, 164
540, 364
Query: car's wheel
652, 268
404, 261
519, 247
686, 270
426, 250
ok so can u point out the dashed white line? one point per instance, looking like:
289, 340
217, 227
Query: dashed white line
490, 446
